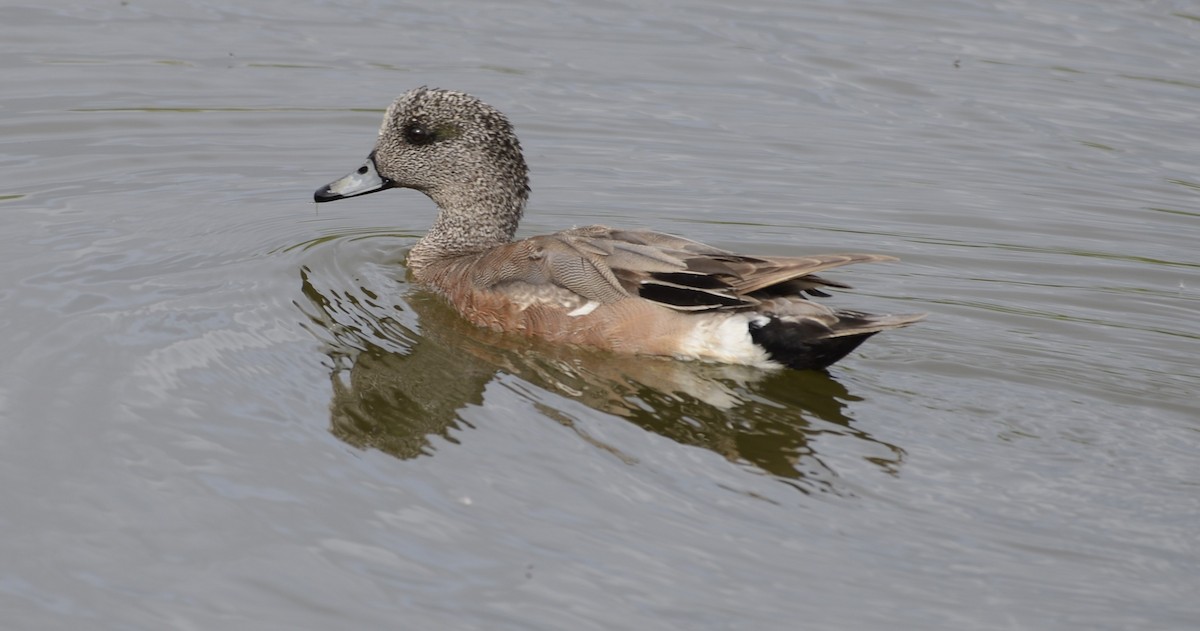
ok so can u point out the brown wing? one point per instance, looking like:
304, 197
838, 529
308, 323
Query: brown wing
606, 265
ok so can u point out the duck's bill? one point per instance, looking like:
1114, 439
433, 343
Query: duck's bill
360, 182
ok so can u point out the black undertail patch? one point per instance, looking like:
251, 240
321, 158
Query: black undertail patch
802, 345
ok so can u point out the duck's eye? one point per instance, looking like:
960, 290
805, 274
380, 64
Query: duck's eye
418, 134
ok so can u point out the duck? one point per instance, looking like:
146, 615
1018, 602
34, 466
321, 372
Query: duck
629, 291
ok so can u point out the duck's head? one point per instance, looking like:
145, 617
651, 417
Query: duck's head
449, 145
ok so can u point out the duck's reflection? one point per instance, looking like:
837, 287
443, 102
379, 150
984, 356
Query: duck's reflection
394, 389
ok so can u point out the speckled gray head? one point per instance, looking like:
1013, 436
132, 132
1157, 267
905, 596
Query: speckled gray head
449, 145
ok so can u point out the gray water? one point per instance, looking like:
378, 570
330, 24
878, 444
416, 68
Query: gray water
224, 408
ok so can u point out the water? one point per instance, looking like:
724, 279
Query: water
224, 408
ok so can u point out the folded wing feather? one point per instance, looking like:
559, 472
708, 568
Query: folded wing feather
607, 265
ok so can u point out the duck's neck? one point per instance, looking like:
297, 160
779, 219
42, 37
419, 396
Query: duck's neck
470, 220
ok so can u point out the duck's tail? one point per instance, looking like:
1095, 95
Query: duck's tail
809, 344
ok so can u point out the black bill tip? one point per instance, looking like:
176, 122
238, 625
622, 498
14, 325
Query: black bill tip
325, 194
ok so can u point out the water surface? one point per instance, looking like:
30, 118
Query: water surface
222, 407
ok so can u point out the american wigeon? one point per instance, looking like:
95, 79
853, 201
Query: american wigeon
629, 291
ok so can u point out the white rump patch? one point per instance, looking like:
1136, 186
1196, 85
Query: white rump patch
584, 309
725, 338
